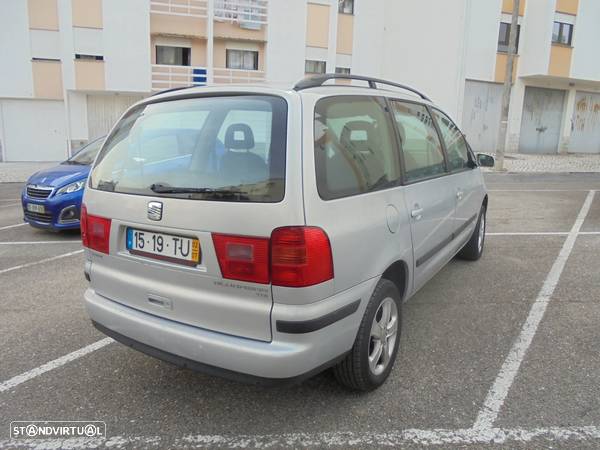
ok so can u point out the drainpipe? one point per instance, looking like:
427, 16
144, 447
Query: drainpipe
210, 27
508, 81
68, 121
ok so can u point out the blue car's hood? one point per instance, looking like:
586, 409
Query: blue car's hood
60, 175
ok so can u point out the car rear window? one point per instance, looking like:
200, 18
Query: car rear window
209, 148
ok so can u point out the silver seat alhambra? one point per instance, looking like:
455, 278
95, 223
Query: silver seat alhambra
266, 234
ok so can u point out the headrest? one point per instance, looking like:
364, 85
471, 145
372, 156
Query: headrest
239, 136
357, 131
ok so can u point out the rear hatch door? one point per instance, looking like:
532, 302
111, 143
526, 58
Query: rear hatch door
175, 175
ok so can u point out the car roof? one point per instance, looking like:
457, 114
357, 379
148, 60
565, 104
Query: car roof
325, 90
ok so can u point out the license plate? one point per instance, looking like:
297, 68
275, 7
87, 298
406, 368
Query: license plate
166, 247
35, 208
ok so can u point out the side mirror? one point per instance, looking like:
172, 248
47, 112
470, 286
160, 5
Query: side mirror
485, 160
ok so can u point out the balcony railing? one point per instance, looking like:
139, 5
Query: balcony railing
168, 77
251, 14
193, 8
221, 75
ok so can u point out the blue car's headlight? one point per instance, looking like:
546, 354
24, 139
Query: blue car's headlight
70, 188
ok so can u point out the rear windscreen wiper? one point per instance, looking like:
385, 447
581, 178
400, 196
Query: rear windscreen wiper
162, 189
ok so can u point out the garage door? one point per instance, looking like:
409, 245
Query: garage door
481, 114
104, 110
34, 130
542, 117
585, 137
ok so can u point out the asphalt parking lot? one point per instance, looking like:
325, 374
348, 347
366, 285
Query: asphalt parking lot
501, 352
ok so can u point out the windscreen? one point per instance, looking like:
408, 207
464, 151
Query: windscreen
209, 148
85, 156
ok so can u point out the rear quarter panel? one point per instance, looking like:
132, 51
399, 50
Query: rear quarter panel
362, 245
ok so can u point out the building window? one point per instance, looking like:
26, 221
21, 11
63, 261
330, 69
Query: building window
346, 6
342, 70
173, 56
242, 59
89, 57
504, 37
562, 33
314, 66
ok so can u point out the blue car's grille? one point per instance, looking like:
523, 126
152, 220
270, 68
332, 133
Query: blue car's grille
38, 192
38, 217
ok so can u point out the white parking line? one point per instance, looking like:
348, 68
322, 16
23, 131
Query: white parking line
10, 205
499, 390
41, 261
540, 190
9, 199
78, 241
543, 233
19, 379
531, 233
13, 226
341, 439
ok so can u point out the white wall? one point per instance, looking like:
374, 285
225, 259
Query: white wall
16, 79
586, 54
88, 41
426, 50
536, 37
45, 44
368, 40
482, 39
126, 37
78, 116
67, 51
25, 139
286, 41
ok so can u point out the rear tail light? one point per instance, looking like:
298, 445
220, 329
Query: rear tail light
95, 231
243, 258
299, 257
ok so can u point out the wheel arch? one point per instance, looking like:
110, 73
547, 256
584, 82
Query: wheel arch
398, 274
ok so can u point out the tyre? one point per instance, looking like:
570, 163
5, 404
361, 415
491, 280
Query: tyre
368, 364
473, 249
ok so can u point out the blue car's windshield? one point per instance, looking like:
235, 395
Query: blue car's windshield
85, 156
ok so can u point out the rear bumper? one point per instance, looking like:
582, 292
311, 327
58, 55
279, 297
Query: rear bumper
290, 357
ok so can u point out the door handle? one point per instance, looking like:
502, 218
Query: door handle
417, 213
459, 195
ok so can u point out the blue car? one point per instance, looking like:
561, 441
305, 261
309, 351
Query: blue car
52, 197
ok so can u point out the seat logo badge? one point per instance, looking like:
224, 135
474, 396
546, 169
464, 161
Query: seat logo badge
155, 210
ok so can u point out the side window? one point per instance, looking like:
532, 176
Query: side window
456, 146
354, 147
421, 146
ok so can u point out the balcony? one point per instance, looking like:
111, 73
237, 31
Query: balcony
187, 8
169, 77
248, 14
238, 76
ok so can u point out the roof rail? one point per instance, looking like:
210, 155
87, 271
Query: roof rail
318, 80
173, 90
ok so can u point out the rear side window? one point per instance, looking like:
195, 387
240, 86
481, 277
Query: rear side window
354, 147
210, 148
456, 146
421, 147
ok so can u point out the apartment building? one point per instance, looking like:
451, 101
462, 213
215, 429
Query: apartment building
71, 67
555, 103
